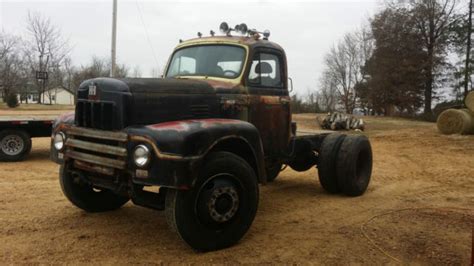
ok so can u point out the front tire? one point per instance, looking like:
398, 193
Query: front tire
85, 197
220, 208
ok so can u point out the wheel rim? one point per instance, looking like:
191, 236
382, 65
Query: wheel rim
218, 200
12, 145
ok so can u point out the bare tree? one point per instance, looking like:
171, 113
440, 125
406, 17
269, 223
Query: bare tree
69, 70
344, 65
156, 72
98, 67
327, 94
137, 73
46, 50
11, 64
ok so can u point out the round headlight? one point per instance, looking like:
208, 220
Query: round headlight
141, 155
58, 141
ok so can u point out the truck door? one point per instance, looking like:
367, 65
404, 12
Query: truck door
269, 100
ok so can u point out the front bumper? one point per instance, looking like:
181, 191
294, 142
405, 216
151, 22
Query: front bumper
103, 152
100, 153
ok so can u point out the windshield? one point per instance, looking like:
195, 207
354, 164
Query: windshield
223, 61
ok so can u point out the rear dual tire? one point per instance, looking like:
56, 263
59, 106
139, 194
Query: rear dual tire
345, 164
354, 165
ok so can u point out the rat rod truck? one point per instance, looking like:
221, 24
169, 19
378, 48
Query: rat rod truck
205, 135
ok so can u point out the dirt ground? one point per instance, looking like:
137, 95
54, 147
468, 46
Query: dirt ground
419, 208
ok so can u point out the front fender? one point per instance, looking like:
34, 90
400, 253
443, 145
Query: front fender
180, 146
66, 118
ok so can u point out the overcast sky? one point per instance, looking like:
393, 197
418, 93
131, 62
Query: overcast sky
305, 29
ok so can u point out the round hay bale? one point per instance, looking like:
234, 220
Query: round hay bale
456, 121
469, 101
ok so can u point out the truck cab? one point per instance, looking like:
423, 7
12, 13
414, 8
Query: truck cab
250, 76
206, 134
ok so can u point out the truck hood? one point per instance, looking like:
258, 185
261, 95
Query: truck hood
119, 103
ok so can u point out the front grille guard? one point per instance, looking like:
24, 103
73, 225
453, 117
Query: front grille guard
91, 150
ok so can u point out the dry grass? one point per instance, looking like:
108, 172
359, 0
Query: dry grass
418, 209
374, 124
35, 107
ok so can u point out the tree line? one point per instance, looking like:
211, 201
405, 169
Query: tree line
408, 55
42, 47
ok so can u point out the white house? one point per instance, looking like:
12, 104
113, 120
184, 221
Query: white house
57, 95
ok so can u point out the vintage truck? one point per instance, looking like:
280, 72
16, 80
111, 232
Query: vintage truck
205, 135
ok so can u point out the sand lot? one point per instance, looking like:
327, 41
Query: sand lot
419, 208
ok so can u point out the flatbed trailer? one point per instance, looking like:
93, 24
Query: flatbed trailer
16, 133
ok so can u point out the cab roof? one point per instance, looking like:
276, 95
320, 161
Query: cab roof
251, 42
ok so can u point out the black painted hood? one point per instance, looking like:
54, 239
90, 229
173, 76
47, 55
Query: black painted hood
143, 101
144, 85
168, 85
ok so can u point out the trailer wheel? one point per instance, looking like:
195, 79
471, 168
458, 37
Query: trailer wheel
327, 165
85, 197
14, 145
354, 165
219, 209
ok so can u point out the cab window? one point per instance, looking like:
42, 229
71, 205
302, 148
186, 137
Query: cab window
223, 61
184, 65
265, 71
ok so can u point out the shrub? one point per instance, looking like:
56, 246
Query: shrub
12, 100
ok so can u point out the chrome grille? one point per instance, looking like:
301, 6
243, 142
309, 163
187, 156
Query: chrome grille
96, 150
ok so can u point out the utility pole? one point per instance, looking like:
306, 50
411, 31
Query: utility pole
114, 38
468, 51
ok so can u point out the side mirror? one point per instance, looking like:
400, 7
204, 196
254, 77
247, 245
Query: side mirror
290, 89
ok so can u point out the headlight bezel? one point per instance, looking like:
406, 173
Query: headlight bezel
146, 158
56, 142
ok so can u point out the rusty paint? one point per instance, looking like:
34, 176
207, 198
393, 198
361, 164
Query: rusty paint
98, 134
220, 84
94, 159
94, 168
184, 125
242, 40
269, 99
91, 146
157, 151
174, 125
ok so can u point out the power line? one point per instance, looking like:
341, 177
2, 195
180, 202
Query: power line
146, 33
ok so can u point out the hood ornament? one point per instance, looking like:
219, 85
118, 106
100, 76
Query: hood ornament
92, 91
